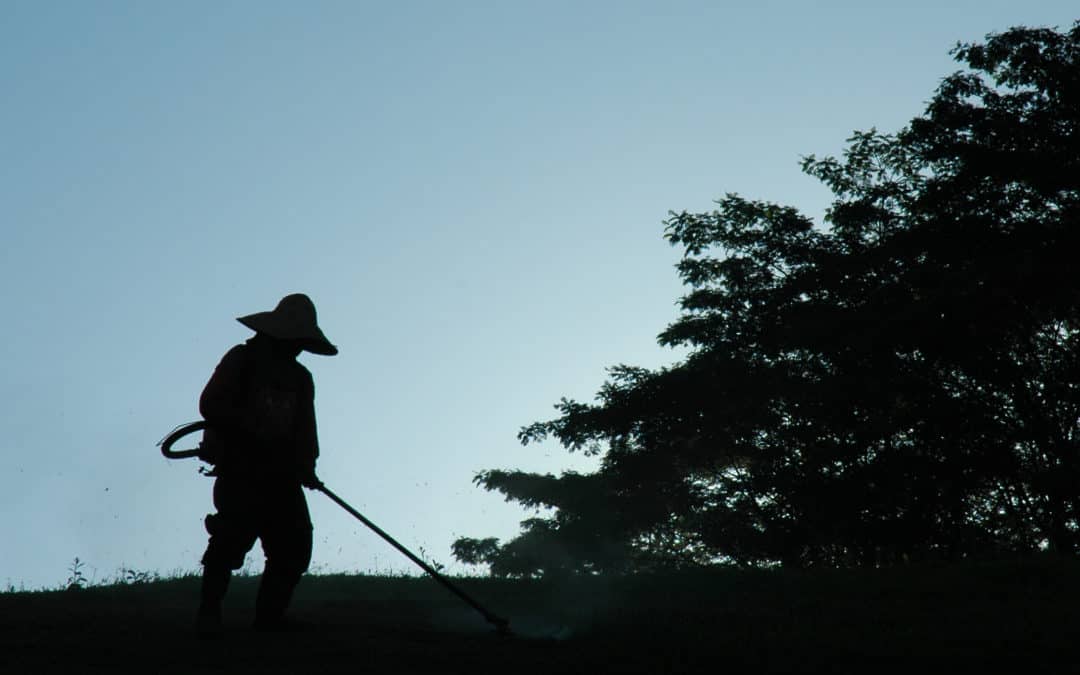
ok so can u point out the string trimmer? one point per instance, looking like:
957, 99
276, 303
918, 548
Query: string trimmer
500, 624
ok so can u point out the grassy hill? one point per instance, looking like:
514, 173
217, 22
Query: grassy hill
1016, 616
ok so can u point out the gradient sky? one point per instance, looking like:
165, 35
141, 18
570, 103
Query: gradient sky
471, 192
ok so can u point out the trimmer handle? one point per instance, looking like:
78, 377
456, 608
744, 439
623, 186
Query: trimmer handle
178, 433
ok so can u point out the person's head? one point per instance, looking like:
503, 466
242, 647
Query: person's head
279, 347
292, 327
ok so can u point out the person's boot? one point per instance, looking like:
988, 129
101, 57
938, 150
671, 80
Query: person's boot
275, 592
214, 584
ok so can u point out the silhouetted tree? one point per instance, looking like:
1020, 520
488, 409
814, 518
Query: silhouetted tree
904, 383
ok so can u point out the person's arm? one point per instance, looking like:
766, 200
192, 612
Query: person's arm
223, 403
307, 447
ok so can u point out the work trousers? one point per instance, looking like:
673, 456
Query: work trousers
275, 513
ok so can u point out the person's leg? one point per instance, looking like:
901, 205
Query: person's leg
215, 581
231, 537
287, 542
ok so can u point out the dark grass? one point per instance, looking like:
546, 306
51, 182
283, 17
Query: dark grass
1011, 616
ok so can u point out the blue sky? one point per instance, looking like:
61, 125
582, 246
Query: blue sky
471, 192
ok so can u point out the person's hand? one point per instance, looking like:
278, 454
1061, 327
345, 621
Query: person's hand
310, 480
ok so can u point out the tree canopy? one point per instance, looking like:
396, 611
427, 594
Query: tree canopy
900, 382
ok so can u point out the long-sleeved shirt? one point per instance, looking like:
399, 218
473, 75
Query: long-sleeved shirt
261, 405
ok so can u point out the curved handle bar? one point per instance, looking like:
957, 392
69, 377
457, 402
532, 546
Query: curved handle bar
178, 433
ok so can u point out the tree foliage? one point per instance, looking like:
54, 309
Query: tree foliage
902, 382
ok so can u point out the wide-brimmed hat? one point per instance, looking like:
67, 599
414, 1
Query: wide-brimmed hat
293, 319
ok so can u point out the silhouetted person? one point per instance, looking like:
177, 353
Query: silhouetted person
262, 440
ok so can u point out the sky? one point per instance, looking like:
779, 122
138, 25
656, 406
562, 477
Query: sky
472, 193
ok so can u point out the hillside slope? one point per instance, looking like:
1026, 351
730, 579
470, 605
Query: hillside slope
1016, 616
